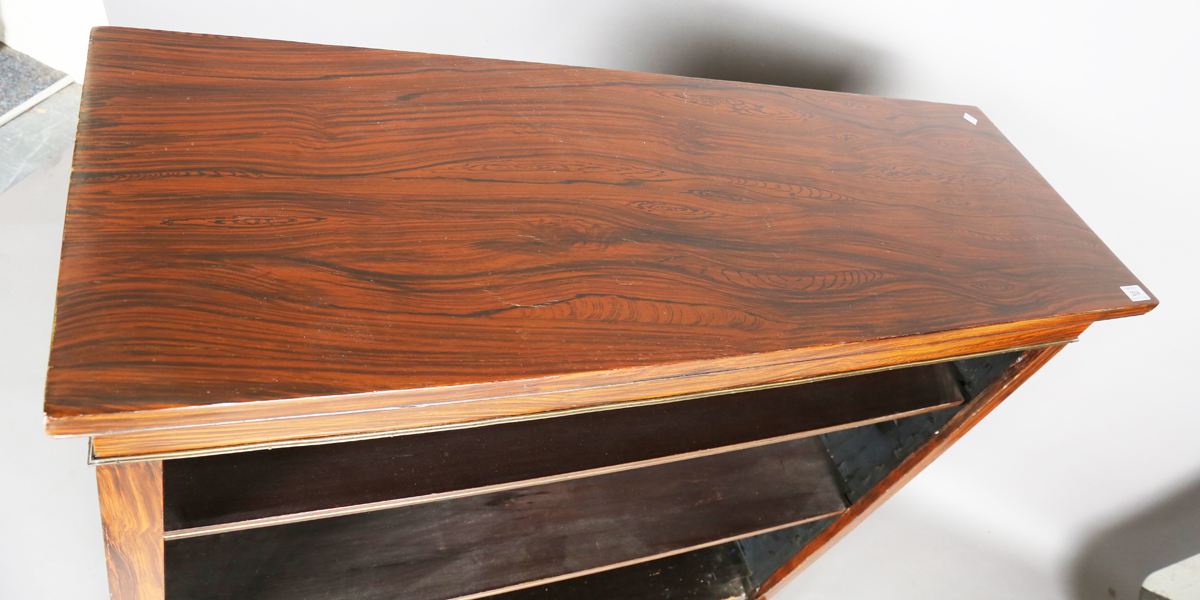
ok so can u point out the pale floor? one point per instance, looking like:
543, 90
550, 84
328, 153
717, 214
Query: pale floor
50, 540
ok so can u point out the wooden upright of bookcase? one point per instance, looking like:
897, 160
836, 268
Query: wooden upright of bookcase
350, 323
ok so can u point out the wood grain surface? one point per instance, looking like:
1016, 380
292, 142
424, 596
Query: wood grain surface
250, 489
262, 426
259, 222
131, 512
469, 547
962, 422
712, 573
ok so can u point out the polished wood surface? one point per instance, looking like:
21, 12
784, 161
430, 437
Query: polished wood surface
711, 573
262, 427
468, 547
261, 229
254, 489
962, 422
131, 512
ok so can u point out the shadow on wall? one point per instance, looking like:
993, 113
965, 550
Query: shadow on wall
723, 42
1114, 563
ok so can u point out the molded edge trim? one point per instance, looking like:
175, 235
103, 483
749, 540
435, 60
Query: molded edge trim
243, 437
370, 411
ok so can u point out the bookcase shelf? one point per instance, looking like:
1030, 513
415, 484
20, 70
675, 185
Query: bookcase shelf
355, 323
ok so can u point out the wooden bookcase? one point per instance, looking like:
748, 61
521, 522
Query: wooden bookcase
351, 323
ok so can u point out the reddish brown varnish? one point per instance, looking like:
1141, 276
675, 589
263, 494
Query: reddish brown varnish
261, 229
277, 243
131, 511
260, 422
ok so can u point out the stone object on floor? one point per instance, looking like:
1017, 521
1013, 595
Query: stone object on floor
1180, 581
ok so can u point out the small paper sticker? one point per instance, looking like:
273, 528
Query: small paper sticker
1135, 292
968, 117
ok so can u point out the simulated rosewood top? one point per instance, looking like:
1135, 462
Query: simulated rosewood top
255, 220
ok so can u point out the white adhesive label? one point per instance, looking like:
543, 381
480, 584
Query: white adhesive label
968, 117
1135, 292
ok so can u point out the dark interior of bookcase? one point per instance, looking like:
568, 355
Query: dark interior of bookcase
700, 498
